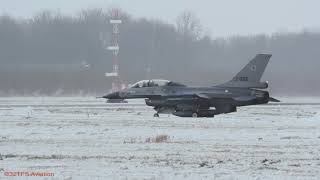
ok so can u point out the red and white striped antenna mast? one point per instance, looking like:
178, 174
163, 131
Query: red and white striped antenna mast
115, 21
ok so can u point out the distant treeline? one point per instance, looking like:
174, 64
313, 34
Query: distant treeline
55, 54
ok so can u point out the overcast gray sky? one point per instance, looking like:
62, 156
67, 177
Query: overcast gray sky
220, 17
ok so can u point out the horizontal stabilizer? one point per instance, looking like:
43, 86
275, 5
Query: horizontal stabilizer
271, 99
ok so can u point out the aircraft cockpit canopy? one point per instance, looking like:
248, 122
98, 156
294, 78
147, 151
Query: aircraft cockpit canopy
155, 83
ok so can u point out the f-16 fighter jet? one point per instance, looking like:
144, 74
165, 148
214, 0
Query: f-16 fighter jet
168, 97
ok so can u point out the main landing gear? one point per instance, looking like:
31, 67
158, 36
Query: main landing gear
156, 115
195, 115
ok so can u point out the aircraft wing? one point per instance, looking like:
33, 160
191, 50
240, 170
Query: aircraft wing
244, 98
203, 96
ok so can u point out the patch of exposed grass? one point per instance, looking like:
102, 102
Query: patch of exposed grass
162, 138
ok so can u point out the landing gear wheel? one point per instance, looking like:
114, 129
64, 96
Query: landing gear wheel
194, 115
156, 115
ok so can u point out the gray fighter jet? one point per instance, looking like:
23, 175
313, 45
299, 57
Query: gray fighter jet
170, 97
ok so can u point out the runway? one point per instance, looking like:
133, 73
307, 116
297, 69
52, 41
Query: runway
85, 138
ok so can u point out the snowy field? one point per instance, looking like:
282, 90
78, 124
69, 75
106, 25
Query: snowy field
85, 138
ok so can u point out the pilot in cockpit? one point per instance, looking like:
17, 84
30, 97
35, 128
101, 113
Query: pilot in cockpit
150, 83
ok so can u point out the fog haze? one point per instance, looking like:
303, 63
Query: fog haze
220, 18
59, 47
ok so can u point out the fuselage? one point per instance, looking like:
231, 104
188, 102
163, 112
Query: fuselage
211, 95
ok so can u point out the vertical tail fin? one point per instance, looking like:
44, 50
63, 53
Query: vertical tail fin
250, 75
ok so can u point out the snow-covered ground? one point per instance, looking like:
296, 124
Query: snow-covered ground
85, 138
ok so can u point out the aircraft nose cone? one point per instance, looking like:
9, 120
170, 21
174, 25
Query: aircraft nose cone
114, 95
